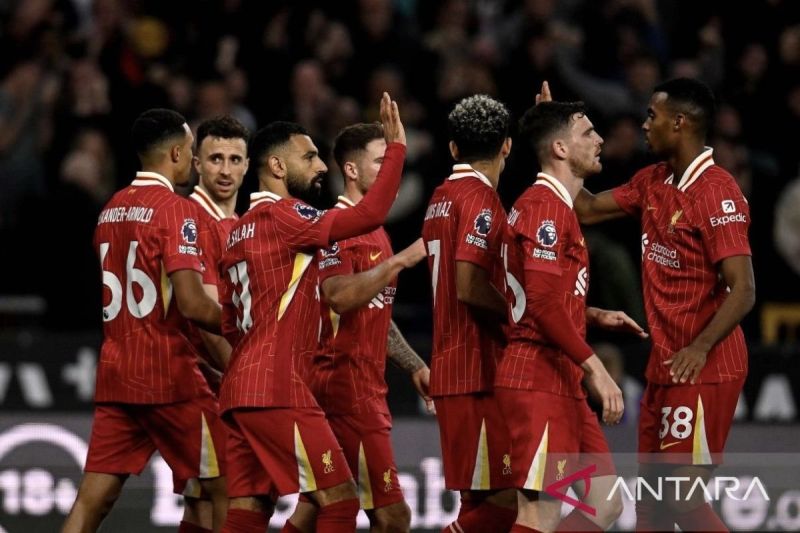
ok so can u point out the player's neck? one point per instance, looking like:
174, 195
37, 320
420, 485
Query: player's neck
274, 185
683, 157
163, 170
562, 173
490, 169
228, 206
353, 194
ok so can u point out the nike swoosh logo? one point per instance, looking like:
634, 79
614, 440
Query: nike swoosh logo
665, 446
373, 257
651, 208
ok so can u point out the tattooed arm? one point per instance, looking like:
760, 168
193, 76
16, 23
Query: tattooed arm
404, 357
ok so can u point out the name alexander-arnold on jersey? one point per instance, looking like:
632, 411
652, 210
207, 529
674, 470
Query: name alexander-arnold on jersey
133, 213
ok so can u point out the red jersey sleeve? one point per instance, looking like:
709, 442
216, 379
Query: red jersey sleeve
480, 225
724, 221
543, 234
301, 226
336, 260
631, 195
179, 237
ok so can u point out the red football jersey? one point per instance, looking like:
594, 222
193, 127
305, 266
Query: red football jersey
464, 222
213, 228
270, 296
145, 233
686, 231
347, 374
543, 235
271, 301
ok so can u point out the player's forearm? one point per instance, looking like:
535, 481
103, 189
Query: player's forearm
593, 208
735, 307
205, 313
345, 293
371, 211
218, 349
400, 352
545, 305
474, 288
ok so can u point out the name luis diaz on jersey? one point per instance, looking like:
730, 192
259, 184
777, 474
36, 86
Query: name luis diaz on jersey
438, 209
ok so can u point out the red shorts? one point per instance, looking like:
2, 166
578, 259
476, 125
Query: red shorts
476, 450
189, 435
278, 451
686, 424
552, 437
367, 446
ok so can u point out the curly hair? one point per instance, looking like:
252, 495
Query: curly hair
478, 126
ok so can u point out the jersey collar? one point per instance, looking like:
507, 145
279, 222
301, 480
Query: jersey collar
144, 179
201, 197
554, 185
343, 202
694, 170
258, 198
466, 171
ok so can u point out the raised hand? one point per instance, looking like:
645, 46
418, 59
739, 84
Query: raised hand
544, 95
393, 130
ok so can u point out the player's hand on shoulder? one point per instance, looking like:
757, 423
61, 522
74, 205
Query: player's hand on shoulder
393, 130
603, 389
413, 254
687, 364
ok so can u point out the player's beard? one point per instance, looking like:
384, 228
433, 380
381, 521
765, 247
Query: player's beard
309, 192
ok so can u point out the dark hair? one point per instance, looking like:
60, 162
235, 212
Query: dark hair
270, 137
542, 122
691, 97
155, 126
353, 139
223, 127
478, 126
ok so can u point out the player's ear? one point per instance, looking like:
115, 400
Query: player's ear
560, 149
679, 121
276, 166
453, 150
505, 150
350, 170
196, 161
246, 165
175, 153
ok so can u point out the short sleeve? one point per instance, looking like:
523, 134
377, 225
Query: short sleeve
724, 221
631, 195
543, 235
480, 227
179, 237
301, 226
335, 260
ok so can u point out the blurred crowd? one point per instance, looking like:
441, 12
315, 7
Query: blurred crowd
75, 73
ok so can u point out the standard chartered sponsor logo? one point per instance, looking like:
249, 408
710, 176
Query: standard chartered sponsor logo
660, 254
